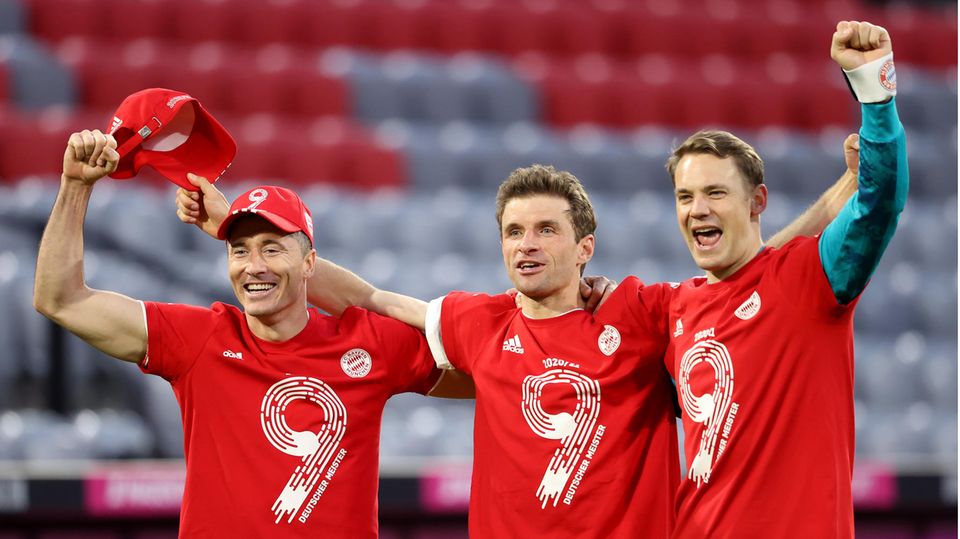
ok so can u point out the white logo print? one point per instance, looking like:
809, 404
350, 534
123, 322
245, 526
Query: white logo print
309, 220
679, 330
356, 363
513, 345
257, 196
609, 340
710, 409
749, 308
573, 430
115, 124
315, 449
234, 355
176, 100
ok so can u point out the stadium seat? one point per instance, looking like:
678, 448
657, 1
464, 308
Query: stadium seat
54, 20
5, 88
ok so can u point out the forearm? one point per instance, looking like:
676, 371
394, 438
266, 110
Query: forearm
334, 288
812, 221
406, 309
851, 246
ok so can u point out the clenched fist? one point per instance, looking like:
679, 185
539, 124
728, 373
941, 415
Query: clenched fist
90, 155
856, 43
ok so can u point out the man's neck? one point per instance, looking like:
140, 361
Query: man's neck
553, 305
750, 252
278, 327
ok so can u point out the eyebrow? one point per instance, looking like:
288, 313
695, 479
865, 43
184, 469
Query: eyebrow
242, 242
546, 222
704, 188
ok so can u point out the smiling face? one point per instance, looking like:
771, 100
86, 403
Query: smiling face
718, 212
540, 250
268, 270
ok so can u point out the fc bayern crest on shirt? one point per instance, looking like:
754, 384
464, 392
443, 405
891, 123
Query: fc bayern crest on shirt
356, 363
749, 308
609, 340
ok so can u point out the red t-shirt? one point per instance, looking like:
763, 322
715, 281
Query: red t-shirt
575, 433
764, 367
282, 439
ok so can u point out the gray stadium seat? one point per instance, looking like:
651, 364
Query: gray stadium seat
886, 380
37, 79
114, 434
162, 414
939, 374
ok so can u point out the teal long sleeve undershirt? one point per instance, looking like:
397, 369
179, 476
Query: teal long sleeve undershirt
852, 244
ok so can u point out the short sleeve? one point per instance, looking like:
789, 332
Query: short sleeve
175, 336
647, 306
404, 348
465, 320
655, 305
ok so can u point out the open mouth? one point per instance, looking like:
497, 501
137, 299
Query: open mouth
707, 237
259, 288
526, 267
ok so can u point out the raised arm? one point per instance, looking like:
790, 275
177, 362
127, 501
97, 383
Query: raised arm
852, 244
812, 221
331, 288
110, 322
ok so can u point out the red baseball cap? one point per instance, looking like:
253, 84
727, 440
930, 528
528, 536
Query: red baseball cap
279, 205
171, 132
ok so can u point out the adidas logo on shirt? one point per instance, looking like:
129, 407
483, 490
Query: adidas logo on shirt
513, 345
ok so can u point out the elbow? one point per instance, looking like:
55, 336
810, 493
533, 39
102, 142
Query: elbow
46, 305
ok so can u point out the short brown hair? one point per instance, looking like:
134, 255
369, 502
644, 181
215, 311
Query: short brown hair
546, 180
722, 144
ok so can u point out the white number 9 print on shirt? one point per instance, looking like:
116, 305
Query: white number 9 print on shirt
574, 430
315, 449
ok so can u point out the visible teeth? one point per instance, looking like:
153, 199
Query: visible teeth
259, 287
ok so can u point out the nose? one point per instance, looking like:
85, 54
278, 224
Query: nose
256, 264
528, 243
700, 206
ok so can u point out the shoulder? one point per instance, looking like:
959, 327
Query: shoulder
216, 311
358, 319
798, 250
479, 304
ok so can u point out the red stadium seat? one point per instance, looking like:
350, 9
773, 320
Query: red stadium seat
375, 166
195, 21
569, 100
451, 28
330, 25
390, 26
54, 20
105, 84
517, 29
135, 19
33, 144
271, 21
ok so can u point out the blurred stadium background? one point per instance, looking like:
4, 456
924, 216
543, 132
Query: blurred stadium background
397, 120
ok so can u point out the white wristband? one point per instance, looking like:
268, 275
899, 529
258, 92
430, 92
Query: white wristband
874, 81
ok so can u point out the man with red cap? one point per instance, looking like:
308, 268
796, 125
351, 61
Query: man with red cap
281, 405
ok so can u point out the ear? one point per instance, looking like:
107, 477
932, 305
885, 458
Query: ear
758, 200
585, 249
309, 263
